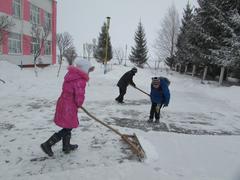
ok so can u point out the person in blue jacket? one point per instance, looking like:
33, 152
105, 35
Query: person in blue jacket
160, 97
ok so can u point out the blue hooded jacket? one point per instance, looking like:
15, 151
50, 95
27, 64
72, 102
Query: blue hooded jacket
160, 95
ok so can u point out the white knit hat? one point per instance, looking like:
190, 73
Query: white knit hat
82, 64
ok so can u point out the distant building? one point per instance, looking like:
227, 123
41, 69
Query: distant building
17, 44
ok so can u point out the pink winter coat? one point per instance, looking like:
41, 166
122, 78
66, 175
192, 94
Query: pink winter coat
72, 97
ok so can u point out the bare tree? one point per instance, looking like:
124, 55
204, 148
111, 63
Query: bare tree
64, 42
39, 38
89, 49
5, 24
94, 43
70, 54
165, 44
119, 55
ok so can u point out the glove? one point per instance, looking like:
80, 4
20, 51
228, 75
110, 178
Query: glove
134, 85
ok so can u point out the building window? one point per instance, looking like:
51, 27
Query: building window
35, 45
48, 21
17, 8
48, 48
34, 14
15, 43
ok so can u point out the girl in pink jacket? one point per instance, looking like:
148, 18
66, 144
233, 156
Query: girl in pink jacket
72, 97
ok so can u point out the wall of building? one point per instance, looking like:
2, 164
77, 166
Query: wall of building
43, 4
6, 6
23, 26
26, 59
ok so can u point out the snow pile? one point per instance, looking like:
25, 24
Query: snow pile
9, 72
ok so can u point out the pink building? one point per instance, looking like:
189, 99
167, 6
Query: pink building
18, 44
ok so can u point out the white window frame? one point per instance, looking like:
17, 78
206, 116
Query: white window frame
48, 20
17, 8
35, 44
48, 48
34, 14
15, 43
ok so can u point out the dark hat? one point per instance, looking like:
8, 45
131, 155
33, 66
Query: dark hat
155, 81
134, 70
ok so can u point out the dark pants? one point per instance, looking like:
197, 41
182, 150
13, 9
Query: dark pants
122, 92
63, 132
155, 110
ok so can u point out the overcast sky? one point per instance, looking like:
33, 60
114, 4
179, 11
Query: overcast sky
83, 19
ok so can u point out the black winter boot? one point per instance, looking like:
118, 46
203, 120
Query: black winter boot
150, 120
46, 147
67, 147
157, 121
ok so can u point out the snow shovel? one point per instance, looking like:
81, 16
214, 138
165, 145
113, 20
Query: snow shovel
131, 140
141, 90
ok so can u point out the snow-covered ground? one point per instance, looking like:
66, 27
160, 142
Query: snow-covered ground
198, 138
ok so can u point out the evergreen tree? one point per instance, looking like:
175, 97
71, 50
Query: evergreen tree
204, 30
215, 33
100, 51
170, 61
228, 52
138, 54
183, 54
228, 5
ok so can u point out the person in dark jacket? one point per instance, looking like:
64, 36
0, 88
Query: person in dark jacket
124, 81
160, 97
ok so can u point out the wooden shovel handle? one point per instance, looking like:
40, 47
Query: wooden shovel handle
101, 122
141, 90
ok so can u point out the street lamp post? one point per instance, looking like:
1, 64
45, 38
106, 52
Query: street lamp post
106, 49
125, 55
